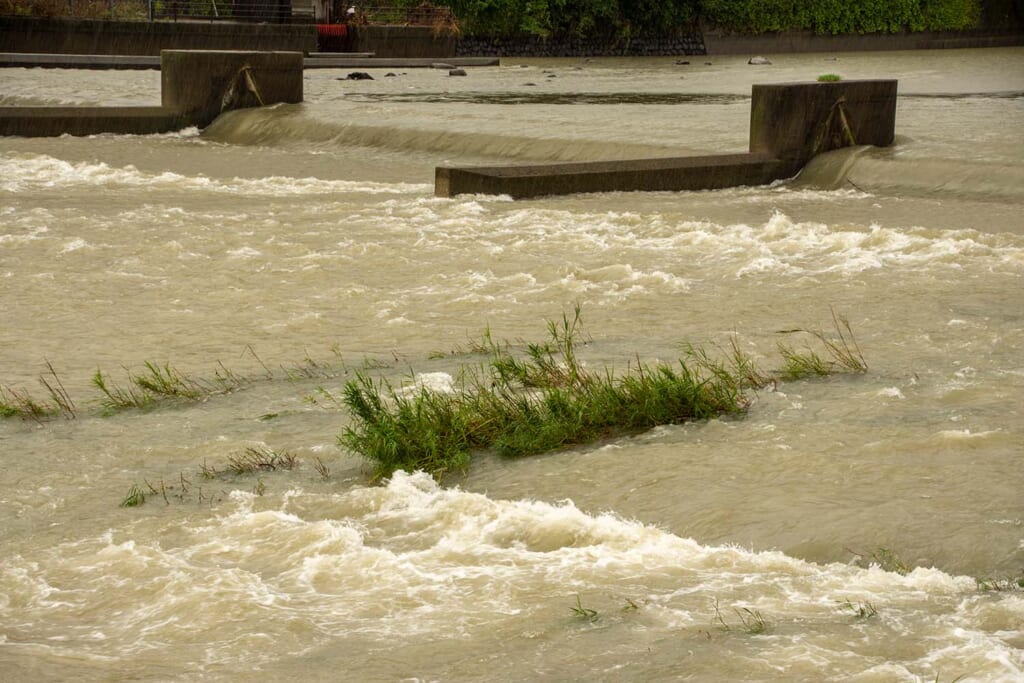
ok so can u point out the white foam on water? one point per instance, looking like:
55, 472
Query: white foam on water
780, 245
891, 392
414, 560
440, 382
74, 245
26, 172
244, 253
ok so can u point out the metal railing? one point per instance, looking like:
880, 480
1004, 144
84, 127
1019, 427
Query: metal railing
277, 11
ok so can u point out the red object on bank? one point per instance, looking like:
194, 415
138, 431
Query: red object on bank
334, 30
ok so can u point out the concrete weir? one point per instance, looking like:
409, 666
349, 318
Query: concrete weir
789, 124
197, 86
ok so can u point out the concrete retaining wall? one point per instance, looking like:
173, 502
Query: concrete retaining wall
92, 37
534, 46
401, 41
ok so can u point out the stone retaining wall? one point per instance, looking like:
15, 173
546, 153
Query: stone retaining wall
533, 46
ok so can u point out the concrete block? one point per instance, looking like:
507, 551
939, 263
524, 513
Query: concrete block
799, 120
204, 84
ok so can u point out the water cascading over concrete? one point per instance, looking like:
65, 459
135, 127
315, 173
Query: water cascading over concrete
790, 123
197, 86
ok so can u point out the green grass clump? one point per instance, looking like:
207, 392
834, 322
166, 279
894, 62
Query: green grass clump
829, 78
134, 498
546, 400
522, 406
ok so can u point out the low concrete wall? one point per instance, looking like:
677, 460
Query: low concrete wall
196, 88
93, 37
789, 124
648, 175
401, 41
56, 121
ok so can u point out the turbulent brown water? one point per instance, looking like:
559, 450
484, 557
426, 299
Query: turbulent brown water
306, 240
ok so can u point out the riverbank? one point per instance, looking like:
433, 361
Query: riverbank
31, 35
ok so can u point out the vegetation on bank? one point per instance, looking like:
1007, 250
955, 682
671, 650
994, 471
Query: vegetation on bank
547, 399
831, 17
625, 19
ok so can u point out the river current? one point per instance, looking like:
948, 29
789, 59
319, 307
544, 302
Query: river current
855, 528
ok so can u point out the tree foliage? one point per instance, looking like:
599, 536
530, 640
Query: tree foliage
618, 19
840, 16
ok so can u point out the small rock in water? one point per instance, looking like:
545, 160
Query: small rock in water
442, 65
707, 63
531, 84
759, 60
391, 74
457, 72
359, 76
682, 62
552, 75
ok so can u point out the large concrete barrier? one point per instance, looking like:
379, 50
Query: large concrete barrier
202, 84
796, 121
196, 87
789, 124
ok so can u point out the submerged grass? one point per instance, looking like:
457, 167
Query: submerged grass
584, 613
751, 621
20, 403
841, 346
142, 389
157, 383
546, 399
134, 498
